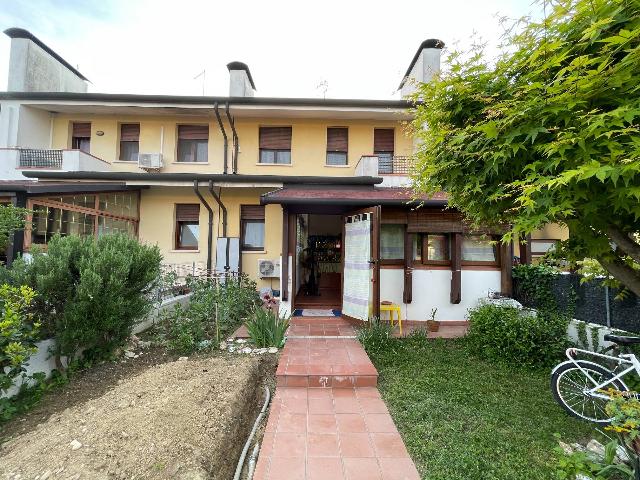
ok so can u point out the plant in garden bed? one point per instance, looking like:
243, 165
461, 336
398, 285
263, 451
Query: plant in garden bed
214, 310
375, 335
267, 328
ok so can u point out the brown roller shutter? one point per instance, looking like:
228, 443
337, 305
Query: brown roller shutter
337, 139
394, 215
193, 132
275, 138
434, 222
252, 212
81, 130
188, 212
129, 132
383, 140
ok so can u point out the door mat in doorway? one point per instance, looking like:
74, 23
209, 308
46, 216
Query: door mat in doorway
316, 312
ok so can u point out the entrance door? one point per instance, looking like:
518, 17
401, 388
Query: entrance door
361, 268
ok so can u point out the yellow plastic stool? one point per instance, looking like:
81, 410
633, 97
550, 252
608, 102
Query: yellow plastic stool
392, 308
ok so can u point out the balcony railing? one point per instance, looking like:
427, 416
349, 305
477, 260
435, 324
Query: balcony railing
394, 165
39, 158
374, 165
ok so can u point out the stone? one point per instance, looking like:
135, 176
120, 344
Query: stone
144, 344
223, 345
45, 475
75, 444
622, 455
272, 350
230, 340
183, 359
566, 448
129, 354
136, 356
240, 340
596, 448
260, 351
247, 350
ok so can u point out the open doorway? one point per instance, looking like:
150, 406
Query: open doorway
318, 262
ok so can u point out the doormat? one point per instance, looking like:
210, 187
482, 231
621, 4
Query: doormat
316, 312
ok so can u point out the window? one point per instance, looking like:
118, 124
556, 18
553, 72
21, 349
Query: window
337, 145
430, 248
129, 142
275, 145
82, 214
81, 136
252, 227
391, 241
187, 226
479, 249
193, 143
383, 147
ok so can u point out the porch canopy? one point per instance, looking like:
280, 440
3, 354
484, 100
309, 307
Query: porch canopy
350, 195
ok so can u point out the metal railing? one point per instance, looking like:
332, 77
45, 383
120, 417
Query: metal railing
175, 276
396, 164
40, 158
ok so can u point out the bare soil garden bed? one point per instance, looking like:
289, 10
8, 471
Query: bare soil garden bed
182, 420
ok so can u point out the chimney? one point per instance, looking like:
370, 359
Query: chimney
34, 67
240, 80
425, 64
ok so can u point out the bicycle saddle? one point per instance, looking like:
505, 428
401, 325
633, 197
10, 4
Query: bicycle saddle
621, 340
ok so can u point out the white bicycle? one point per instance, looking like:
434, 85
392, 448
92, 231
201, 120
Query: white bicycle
580, 386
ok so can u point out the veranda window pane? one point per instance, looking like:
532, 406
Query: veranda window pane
417, 247
478, 249
107, 225
438, 247
392, 242
123, 204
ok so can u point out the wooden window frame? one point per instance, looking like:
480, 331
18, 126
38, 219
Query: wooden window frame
274, 150
424, 238
345, 152
96, 212
127, 141
193, 145
178, 229
255, 218
477, 263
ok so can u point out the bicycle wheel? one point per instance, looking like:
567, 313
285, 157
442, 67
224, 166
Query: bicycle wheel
569, 385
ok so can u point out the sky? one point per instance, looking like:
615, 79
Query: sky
337, 49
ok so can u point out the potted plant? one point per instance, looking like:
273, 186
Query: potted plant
432, 324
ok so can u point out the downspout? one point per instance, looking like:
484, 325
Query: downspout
210, 234
224, 135
236, 147
218, 200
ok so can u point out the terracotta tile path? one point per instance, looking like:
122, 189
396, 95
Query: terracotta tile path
327, 420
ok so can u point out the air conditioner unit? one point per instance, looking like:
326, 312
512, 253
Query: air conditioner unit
150, 160
269, 268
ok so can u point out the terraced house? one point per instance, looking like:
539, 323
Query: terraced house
310, 197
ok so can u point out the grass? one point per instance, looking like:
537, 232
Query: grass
465, 418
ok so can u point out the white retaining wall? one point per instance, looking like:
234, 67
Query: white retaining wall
43, 361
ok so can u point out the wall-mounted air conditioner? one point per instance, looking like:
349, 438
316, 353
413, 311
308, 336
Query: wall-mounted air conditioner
269, 268
150, 160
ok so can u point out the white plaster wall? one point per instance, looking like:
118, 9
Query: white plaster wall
394, 181
431, 289
9, 113
34, 128
8, 164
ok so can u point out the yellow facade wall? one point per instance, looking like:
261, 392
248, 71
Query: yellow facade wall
308, 142
157, 226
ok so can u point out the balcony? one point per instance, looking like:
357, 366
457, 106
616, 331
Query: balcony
394, 169
14, 160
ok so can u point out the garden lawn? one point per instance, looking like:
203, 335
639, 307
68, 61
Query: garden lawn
465, 418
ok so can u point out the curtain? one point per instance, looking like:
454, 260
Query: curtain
357, 270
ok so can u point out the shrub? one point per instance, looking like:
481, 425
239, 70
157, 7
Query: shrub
18, 332
267, 328
376, 336
520, 337
91, 292
534, 285
11, 218
215, 310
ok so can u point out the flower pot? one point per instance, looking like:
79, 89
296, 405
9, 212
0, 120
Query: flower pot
433, 325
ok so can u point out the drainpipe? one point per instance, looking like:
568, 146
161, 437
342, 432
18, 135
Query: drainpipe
236, 147
210, 234
224, 135
216, 197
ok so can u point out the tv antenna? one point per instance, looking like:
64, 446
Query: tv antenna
324, 85
202, 74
